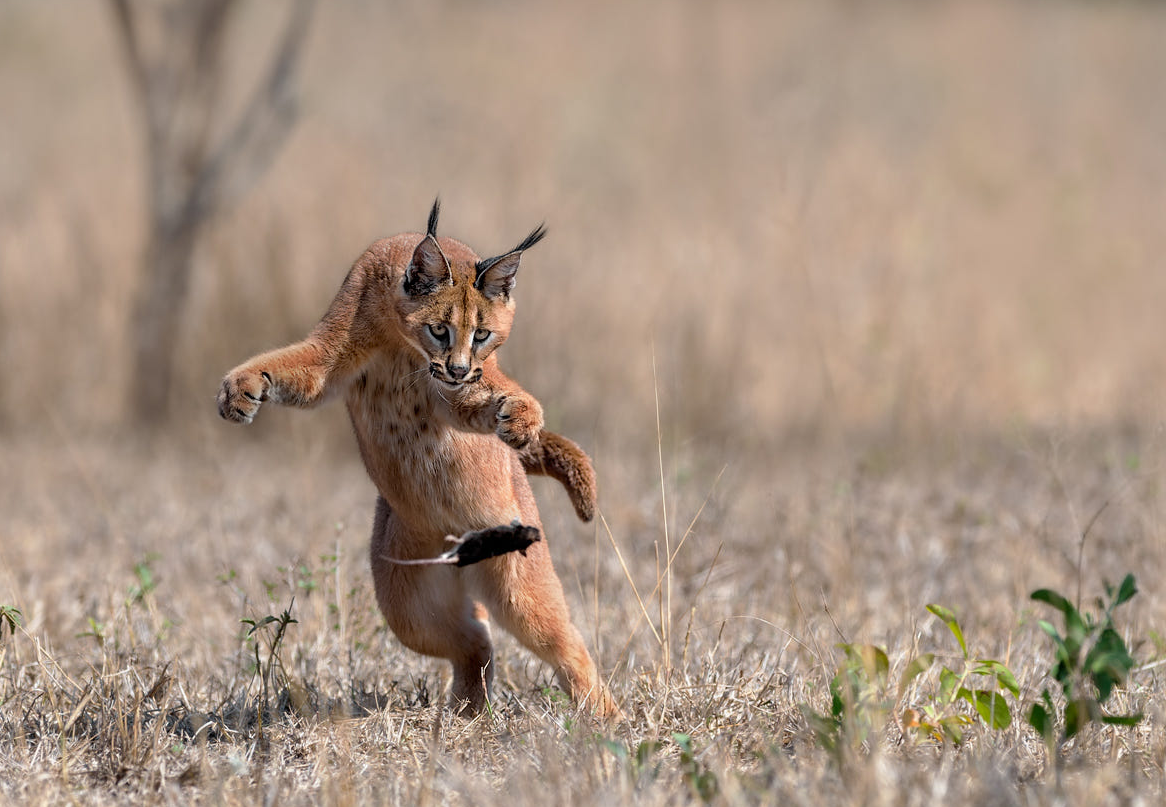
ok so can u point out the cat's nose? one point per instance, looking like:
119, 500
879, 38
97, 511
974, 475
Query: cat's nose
457, 371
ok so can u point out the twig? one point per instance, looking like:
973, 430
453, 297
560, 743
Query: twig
1081, 546
643, 609
666, 594
692, 613
635, 590
833, 621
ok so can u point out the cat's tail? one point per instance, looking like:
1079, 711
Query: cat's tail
559, 458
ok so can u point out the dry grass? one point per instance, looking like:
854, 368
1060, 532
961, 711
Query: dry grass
892, 274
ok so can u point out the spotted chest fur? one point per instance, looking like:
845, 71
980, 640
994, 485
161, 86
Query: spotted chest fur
439, 479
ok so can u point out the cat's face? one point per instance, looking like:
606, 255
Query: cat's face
453, 323
455, 308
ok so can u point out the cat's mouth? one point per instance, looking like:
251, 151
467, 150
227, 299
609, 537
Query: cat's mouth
451, 383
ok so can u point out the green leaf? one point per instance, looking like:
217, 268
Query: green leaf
948, 681
1109, 658
1041, 720
1076, 630
1078, 714
837, 700
267, 620
645, 750
1110, 643
615, 748
826, 730
1051, 630
1002, 674
875, 659
10, 615
1048, 701
145, 576
1123, 720
1064, 657
947, 616
868, 659
992, 709
1125, 591
1075, 627
953, 728
1050, 597
916, 667
706, 786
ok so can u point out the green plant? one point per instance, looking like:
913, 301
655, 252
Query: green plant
273, 629
305, 579
11, 618
96, 630
860, 699
699, 778
643, 765
639, 764
144, 572
979, 683
1091, 659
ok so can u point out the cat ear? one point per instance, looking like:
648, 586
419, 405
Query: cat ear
496, 278
496, 275
429, 268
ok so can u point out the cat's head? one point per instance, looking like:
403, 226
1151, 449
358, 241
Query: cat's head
456, 308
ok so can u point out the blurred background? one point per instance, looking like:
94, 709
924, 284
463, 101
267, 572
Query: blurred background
782, 219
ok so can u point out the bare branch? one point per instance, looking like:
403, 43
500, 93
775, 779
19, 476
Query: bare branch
174, 51
250, 147
131, 46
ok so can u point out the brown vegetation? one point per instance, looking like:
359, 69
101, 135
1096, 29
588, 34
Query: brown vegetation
890, 277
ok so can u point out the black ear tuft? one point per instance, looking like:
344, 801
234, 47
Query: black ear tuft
431, 229
536, 235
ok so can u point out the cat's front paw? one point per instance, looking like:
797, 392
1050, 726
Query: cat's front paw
242, 393
520, 419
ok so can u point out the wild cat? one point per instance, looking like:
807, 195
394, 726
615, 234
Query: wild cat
448, 440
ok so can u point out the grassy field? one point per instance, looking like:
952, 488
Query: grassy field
857, 308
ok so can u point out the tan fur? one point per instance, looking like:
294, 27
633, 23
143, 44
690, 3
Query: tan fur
447, 454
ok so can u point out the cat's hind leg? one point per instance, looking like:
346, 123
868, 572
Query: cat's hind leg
429, 610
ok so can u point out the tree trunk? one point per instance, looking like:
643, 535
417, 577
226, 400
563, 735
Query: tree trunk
175, 55
157, 321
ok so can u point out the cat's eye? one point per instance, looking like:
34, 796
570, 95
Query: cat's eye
438, 332
481, 335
